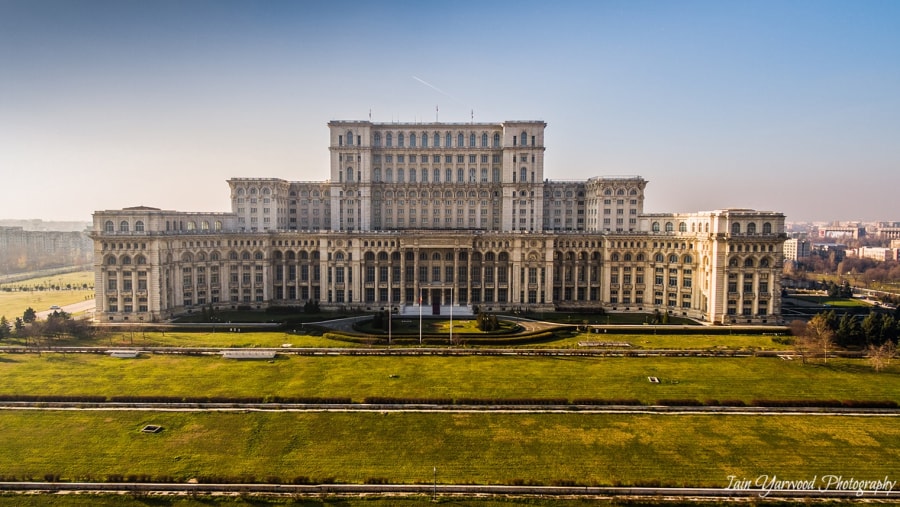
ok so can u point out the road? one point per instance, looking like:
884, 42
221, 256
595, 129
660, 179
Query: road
86, 306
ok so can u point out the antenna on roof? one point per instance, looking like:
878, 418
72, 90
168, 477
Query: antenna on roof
370, 114
473, 116
436, 114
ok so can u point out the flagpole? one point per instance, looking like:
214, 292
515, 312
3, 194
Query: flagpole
420, 318
451, 315
390, 312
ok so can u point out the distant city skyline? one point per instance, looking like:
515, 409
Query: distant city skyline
782, 106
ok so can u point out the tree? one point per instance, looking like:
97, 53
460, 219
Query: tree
5, 329
871, 328
29, 316
880, 356
814, 339
20, 326
849, 333
888, 329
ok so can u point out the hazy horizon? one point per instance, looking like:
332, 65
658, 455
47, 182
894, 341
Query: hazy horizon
768, 105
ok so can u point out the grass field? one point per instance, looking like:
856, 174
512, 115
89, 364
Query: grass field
590, 449
449, 377
13, 304
392, 500
836, 302
139, 338
256, 501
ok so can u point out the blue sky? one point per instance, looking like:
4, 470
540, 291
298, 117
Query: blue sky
791, 106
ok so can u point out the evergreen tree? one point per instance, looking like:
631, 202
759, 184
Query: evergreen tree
29, 316
831, 320
849, 332
5, 328
889, 329
871, 328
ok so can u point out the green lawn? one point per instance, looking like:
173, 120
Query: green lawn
82, 500
14, 303
449, 377
138, 338
829, 301
591, 449
672, 341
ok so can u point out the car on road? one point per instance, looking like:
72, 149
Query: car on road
55, 308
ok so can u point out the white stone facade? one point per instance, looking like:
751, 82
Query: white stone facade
440, 212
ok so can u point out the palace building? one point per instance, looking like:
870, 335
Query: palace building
449, 216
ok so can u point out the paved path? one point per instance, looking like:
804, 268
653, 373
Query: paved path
79, 307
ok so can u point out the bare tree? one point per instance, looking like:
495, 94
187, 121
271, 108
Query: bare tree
880, 356
820, 334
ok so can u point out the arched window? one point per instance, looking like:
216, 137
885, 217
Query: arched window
524, 139
460, 140
460, 177
109, 226
472, 140
523, 175
448, 140
376, 174
496, 140
673, 259
126, 260
412, 175
258, 256
389, 175
412, 140
733, 262
245, 256
437, 175
628, 257
640, 257
400, 178
654, 227
232, 256
437, 140
751, 228
764, 262
659, 258
484, 141
682, 227
349, 174
123, 226
688, 259
614, 257
140, 260
748, 262
389, 139
218, 225
424, 140
340, 255
735, 228
139, 226
349, 138
111, 261
669, 227
400, 140
767, 228
377, 140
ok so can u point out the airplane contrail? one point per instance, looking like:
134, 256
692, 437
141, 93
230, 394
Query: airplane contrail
442, 92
